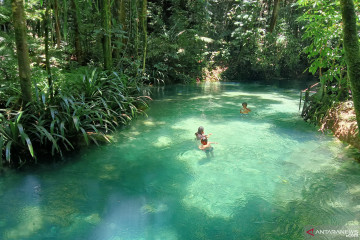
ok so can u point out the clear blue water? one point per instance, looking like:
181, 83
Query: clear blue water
272, 174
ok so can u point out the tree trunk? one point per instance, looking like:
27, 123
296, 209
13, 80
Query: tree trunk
65, 25
32, 26
38, 28
135, 28
78, 50
120, 19
352, 52
47, 57
57, 23
22, 49
274, 15
123, 15
106, 14
167, 4
144, 24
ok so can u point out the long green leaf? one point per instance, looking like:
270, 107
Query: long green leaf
8, 150
52, 126
43, 98
76, 122
62, 128
65, 140
49, 136
100, 119
19, 116
94, 140
25, 137
9, 101
22, 133
14, 130
1, 149
65, 99
52, 112
118, 103
85, 135
53, 147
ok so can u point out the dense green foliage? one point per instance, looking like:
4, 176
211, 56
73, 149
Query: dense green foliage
255, 52
325, 50
90, 61
90, 105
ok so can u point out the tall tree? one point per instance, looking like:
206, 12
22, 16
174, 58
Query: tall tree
352, 52
274, 15
135, 26
167, 11
22, 49
57, 23
123, 15
120, 16
106, 24
47, 57
65, 20
75, 15
144, 23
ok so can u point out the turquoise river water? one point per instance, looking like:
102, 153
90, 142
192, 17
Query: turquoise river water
272, 175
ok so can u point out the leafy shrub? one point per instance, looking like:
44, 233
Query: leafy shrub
98, 104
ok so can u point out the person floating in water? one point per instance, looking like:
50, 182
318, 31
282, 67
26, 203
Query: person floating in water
244, 110
200, 133
206, 146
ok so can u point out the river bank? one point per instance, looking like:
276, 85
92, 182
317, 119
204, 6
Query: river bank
341, 120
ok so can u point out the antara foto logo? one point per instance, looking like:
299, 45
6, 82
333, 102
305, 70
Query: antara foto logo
311, 232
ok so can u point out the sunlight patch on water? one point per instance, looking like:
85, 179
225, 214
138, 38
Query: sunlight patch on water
271, 102
29, 222
201, 97
310, 157
163, 142
149, 123
130, 218
189, 126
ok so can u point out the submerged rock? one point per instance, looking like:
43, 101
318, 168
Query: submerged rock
93, 218
154, 208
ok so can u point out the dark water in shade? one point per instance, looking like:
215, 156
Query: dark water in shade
272, 175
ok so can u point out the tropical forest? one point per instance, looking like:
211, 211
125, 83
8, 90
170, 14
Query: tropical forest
179, 119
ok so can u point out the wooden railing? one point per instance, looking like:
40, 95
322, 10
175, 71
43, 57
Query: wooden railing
307, 92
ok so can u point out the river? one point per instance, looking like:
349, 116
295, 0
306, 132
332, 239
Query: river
272, 175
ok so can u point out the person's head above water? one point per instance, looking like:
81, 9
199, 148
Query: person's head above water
200, 130
244, 104
204, 140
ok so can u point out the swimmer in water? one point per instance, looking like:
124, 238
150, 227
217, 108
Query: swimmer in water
244, 110
200, 133
206, 147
